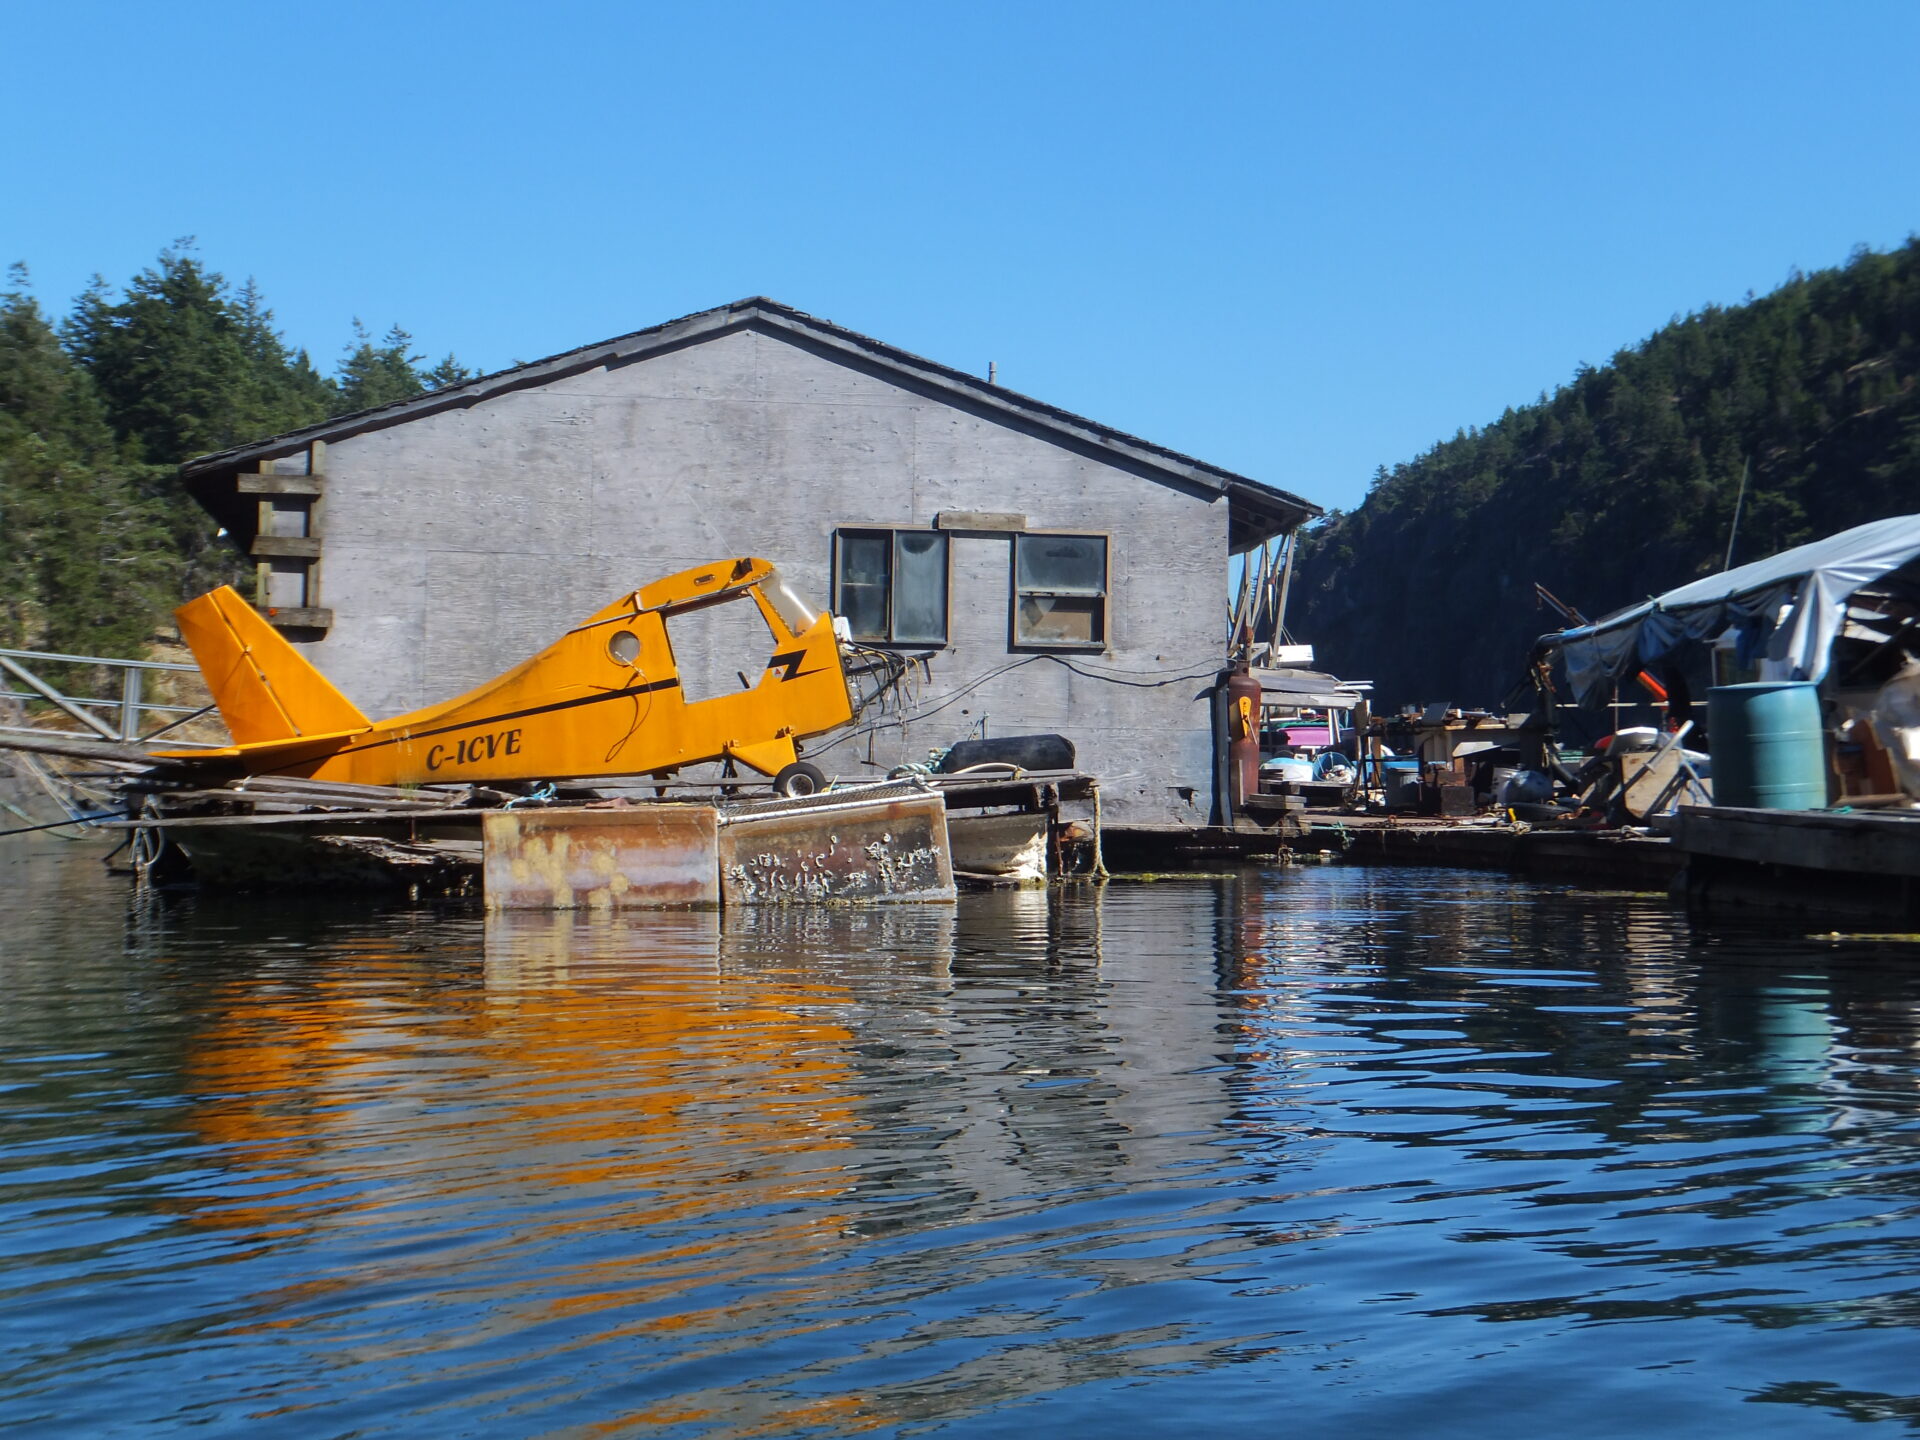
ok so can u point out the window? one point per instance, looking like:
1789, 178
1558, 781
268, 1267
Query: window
891, 585
1060, 590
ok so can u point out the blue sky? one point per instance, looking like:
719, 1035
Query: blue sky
1297, 241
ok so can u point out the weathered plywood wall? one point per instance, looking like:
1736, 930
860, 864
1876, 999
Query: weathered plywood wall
461, 541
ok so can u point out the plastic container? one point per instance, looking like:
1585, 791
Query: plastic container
1402, 791
1521, 787
1297, 770
1769, 745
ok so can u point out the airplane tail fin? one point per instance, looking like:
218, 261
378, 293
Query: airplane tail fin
265, 689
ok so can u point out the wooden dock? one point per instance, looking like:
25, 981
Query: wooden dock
1628, 859
270, 832
1830, 865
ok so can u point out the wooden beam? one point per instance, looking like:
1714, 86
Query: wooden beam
298, 617
979, 520
54, 742
1280, 633
316, 519
1871, 843
294, 547
262, 570
283, 484
311, 817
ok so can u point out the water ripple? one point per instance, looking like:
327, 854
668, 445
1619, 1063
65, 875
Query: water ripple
1377, 1152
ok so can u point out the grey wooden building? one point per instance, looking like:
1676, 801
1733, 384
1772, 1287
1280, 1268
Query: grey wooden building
1042, 572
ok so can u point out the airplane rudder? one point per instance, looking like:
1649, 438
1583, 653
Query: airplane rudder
265, 689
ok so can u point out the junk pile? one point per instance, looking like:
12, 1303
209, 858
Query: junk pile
1810, 660
1812, 657
1458, 764
1451, 764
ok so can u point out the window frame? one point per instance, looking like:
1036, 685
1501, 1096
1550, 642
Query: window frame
893, 532
1104, 594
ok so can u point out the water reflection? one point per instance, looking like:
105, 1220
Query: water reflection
1165, 1158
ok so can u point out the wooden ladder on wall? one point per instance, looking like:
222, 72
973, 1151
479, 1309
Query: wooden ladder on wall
287, 541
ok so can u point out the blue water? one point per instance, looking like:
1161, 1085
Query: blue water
1335, 1151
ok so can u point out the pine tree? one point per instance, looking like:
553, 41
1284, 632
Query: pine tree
170, 359
447, 373
184, 368
285, 392
380, 374
1622, 482
89, 551
97, 538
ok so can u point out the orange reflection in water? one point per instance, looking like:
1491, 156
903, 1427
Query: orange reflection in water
592, 1078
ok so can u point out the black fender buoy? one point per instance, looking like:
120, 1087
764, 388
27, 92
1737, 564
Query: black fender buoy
1029, 752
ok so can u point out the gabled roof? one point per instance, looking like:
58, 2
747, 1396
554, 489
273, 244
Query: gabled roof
1258, 510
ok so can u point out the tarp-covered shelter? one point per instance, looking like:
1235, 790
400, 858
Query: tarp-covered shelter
1785, 611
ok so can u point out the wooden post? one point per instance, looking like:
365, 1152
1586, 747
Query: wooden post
316, 465
1280, 635
263, 525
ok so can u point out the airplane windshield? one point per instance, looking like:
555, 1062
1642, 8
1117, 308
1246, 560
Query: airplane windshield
788, 606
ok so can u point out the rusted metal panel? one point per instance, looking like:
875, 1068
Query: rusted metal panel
586, 859
859, 851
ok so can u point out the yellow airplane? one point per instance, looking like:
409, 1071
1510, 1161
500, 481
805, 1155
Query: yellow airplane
604, 699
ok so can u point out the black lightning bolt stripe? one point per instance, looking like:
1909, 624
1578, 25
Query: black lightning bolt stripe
792, 660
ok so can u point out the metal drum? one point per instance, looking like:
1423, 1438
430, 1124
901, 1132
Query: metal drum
1769, 745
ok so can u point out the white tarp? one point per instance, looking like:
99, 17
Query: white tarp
1787, 609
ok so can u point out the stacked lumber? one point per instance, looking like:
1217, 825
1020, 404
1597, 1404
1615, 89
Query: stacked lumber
290, 795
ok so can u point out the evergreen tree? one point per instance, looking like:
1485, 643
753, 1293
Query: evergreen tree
380, 374
89, 546
285, 391
448, 372
1623, 482
97, 539
184, 368
169, 359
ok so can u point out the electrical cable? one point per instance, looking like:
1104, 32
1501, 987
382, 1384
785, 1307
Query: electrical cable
905, 717
56, 824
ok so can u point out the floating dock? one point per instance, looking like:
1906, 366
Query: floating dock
1625, 858
906, 839
1828, 864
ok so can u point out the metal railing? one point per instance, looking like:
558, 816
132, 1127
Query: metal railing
120, 716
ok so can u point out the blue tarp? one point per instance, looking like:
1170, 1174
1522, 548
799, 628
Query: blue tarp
1785, 610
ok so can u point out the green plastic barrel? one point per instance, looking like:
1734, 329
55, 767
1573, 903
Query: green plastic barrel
1769, 747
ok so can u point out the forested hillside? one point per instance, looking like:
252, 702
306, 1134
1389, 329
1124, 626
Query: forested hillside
1623, 483
97, 541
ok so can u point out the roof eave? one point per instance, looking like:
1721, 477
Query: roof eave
1259, 507
1257, 513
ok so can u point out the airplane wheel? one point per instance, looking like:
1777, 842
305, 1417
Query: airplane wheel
799, 780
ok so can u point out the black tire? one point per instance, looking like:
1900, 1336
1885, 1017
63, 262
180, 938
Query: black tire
799, 780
